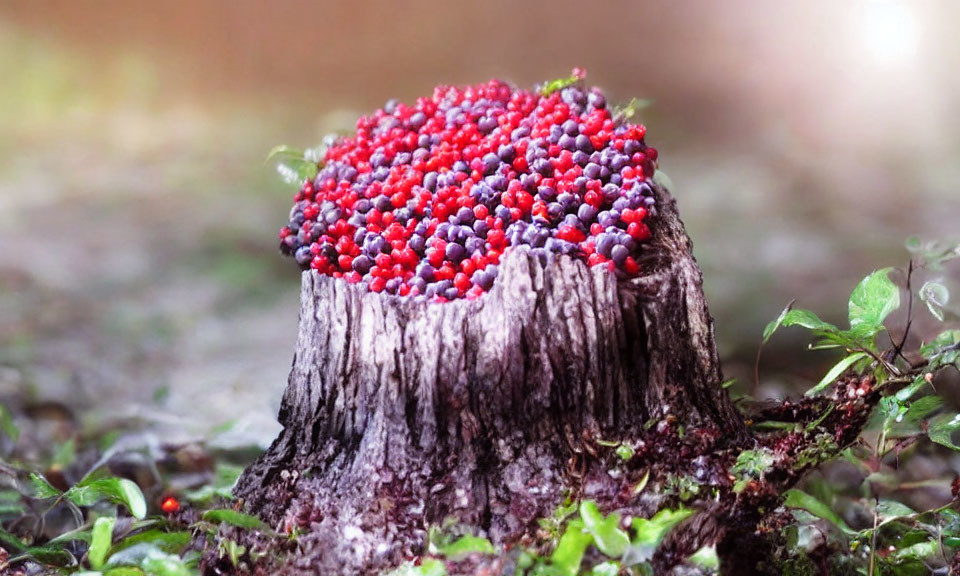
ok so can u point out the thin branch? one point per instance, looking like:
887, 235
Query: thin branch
898, 350
879, 359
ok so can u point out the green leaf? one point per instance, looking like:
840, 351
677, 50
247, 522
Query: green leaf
283, 152
919, 551
429, 567
65, 455
922, 407
134, 555
225, 478
625, 452
102, 537
813, 425
11, 542
913, 244
775, 325
116, 490
7, 425
169, 542
944, 350
808, 320
651, 530
605, 569
627, 111
568, 555
943, 340
890, 510
82, 534
606, 532
42, 488
872, 301
234, 518
706, 557
465, 546
49, 555
293, 165
933, 254
165, 565
799, 499
838, 369
753, 463
558, 84
124, 571
907, 392
941, 428
935, 295
233, 551
130, 495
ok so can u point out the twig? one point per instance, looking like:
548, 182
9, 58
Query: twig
889, 367
898, 349
756, 362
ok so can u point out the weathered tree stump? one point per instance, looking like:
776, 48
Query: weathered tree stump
401, 413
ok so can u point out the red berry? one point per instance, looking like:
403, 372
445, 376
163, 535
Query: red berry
570, 234
638, 231
170, 505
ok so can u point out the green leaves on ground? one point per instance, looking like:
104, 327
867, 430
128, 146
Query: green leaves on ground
568, 555
159, 564
100, 542
429, 567
42, 488
89, 492
459, 548
116, 490
234, 518
650, 531
622, 548
606, 532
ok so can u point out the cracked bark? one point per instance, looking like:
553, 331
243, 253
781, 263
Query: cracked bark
401, 413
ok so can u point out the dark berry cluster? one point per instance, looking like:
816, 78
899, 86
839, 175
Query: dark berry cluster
424, 199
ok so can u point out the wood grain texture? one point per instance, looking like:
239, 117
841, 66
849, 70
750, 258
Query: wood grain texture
401, 412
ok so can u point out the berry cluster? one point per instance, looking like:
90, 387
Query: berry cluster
424, 199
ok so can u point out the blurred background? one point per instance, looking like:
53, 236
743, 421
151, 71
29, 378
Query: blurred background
139, 273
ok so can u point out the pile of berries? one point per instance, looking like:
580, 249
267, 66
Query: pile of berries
424, 199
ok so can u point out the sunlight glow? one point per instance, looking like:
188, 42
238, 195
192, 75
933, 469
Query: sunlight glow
890, 32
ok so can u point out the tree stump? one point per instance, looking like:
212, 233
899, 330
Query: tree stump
401, 413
